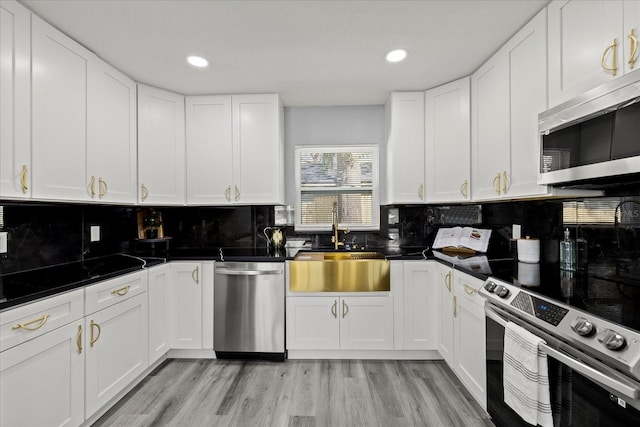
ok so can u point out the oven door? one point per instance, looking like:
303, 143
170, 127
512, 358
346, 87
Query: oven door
581, 395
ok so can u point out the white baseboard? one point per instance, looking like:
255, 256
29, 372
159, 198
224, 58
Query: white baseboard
191, 354
366, 354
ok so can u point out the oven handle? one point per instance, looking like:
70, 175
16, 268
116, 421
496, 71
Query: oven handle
587, 371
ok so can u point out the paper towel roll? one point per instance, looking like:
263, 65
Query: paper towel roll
528, 274
529, 250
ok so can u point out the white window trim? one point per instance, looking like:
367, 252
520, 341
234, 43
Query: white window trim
375, 192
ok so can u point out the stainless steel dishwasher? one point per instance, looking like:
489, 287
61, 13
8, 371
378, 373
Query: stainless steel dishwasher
249, 307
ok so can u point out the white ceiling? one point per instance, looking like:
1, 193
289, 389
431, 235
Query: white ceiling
314, 53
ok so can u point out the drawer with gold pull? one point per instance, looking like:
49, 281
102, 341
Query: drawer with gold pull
28, 321
104, 294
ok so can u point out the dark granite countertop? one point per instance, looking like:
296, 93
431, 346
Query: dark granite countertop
27, 286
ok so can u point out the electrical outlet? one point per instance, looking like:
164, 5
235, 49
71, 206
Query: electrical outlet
4, 237
516, 231
95, 233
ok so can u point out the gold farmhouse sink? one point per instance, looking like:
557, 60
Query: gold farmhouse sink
339, 272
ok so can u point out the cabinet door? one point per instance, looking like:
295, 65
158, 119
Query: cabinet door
116, 343
527, 53
59, 114
490, 129
209, 150
444, 282
631, 54
420, 308
258, 150
313, 323
159, 311
15, 107
366, 323
470, 347
405, 147
579, 34
448, 142
186, 305
42, 380
111, 138
161, 147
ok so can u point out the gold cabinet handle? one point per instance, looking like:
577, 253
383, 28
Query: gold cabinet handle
345, 309
505, 184
464, 189
102, 188
93, 340
144, 193
633, 50
455, 307
195, 275
227, 193
27, 325
334, 309
79, 339
92, 186
447, 281
23, 179
613, 48
469, 290
421, 191
121, 291
496, 184
237, 193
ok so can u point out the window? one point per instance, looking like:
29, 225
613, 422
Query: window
346, 175
602, 212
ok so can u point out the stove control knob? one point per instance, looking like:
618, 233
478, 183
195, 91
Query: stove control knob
611, 339
502, 291
583, 327
490, 287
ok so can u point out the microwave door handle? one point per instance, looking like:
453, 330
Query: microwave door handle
587, 371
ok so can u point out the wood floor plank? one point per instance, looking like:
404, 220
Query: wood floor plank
304, 393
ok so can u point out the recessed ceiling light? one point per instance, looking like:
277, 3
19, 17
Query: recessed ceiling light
197, 61
396, 55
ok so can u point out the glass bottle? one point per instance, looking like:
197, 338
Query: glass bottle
567, 252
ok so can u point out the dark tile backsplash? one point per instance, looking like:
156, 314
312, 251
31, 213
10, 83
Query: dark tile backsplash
43, 234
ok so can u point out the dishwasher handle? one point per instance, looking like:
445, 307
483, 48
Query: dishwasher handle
231, 272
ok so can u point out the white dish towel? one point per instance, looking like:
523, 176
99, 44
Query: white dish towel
525, 378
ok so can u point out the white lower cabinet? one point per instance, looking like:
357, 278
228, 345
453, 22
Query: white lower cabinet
340, 323
191, 294
444, 283
116, 346
42, 380
416, 302
159, 311
469, 335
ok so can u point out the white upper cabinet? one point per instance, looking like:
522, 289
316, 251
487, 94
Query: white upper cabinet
161, 147
590, 43
235, 150
209, 142
258, 149
111, 135
527, 61
59, 114
448, 142
490, 151
631, 30
15, 107
405, 147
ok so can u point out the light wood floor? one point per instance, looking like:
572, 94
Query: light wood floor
315, 393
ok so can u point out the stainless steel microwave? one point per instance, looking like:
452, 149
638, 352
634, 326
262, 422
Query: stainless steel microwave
594, 136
